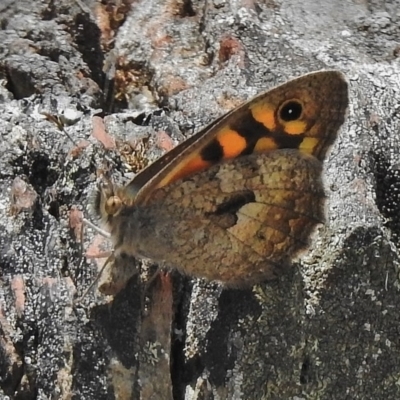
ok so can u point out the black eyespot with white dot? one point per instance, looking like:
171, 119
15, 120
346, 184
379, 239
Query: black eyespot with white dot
292, 110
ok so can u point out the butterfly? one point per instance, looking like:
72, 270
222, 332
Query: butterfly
237, 201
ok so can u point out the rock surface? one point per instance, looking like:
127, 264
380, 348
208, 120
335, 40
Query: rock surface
129, 80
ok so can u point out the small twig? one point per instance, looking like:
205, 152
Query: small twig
60, 124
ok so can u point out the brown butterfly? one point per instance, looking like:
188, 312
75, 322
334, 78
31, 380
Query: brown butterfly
238, 200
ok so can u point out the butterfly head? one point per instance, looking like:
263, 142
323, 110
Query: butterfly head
108, 201
116, 208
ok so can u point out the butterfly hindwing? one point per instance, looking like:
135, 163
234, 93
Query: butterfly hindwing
239, 221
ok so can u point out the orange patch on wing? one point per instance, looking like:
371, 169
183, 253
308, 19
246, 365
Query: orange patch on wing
231, 142
264, 114
308, 145
193, 165
295, 127
265, 144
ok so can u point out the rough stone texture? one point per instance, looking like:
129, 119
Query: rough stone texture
328, 329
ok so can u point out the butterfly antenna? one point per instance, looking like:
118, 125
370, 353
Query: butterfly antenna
106, 235
109, 259
58, 120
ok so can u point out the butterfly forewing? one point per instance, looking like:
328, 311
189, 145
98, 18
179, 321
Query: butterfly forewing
293, 115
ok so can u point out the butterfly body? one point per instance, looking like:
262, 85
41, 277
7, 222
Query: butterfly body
237, 201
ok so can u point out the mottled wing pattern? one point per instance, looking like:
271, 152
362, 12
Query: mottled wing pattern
237, 222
